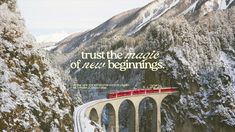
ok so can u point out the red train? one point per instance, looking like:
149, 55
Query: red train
139, 91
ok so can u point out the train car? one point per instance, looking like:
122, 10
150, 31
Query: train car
170, 89
111, 95
139, 92
154, 90
124, 93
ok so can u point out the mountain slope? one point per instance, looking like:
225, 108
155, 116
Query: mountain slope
32, 94
130, 22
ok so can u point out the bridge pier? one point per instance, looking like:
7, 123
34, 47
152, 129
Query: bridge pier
159, 102
137, 122
117, 122
99, 115
132, 116
154, 122
111, 126
137, 103
158, 118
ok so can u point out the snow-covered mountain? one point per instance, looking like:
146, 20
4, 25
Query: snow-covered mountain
48, 41
132, 21
54, 37
196, 41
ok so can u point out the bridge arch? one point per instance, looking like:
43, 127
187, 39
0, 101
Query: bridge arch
108, 118
166, 104
147, 113
93, 116
126, 116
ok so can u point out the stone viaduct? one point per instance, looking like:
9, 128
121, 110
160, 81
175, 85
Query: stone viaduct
94, 112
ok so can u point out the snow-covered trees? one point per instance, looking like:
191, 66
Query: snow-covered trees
32, 95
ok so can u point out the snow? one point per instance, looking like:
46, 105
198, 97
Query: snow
49, 48
88, 126
179, 54
54, 37
9, 104
209, 6
82, 123
36, 66
169, 7
54, 128
191, 8
198, 119
223, 5
229, 64
48, 41
155, 12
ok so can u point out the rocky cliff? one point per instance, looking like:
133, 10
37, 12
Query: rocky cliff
32, 95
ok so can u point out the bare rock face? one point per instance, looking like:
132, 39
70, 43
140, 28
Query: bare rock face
32, 95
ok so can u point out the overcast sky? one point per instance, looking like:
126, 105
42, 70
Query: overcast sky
49, 16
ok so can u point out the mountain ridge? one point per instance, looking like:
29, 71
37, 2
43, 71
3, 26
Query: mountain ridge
130, 22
